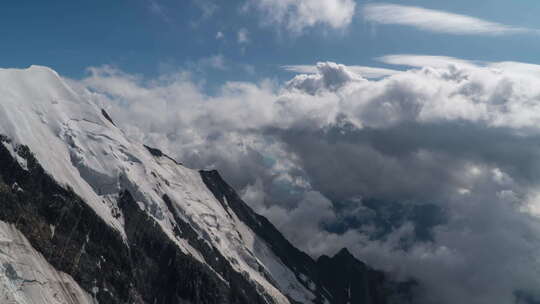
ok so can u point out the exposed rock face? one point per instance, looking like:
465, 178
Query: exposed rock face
115, 221
351, 281
340, 279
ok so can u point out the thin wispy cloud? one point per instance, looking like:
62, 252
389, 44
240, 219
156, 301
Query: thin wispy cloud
216, 62
298, 15
419, 61
443, 62
208, 8
157, 9
437, 21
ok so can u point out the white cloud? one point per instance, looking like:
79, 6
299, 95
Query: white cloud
242, 36
419, 61
312, 211
248, 68
207, 7
364, 71
461, 134
413, 60
329, 76
518, 68
220, 35
158, 10
215, 62
436, 21
297, 15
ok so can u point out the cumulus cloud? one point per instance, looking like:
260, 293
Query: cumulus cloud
329, 77
330, 144
313, 211
364, 71
297, 15
436, 21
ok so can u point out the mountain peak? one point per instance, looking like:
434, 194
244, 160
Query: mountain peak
344, 253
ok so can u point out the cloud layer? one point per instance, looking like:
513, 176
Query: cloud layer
436, 21
317, 149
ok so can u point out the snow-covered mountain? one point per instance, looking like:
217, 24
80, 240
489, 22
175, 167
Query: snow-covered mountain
90, 216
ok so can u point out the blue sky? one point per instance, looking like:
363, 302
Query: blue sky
150, 37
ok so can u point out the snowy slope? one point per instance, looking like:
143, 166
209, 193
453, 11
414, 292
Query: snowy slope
81, 149
28, 278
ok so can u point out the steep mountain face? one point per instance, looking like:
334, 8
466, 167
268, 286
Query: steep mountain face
90, 216
338, 279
